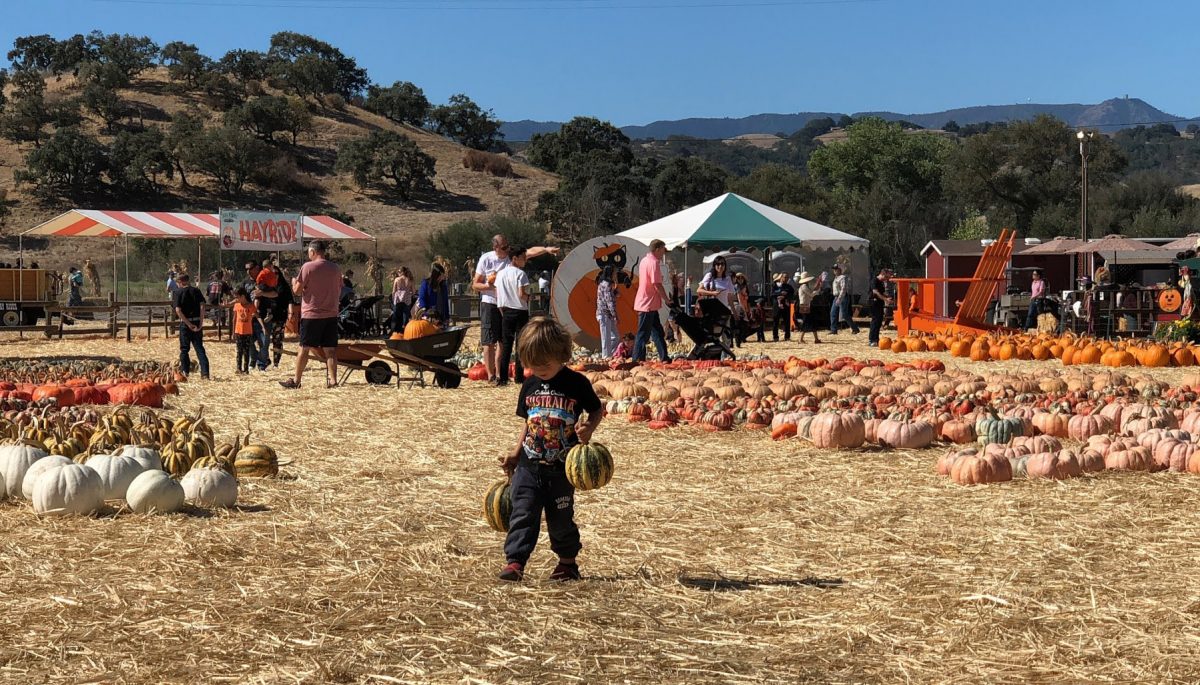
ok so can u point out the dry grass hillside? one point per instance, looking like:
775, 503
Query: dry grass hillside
402, 227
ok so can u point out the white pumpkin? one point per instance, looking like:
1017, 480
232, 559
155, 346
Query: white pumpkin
73, 489
116, 473
210, 487
148, 457
154, 492
39, 467
15, 460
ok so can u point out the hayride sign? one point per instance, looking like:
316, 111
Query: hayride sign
263, 231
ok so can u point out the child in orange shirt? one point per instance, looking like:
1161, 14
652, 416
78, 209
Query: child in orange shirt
244, 312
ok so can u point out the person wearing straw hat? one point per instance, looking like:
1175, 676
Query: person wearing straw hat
807, 320
782, 294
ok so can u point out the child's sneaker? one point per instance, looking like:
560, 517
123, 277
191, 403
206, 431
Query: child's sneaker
565, 572
515, 571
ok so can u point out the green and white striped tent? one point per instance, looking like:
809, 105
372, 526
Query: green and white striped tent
733, 221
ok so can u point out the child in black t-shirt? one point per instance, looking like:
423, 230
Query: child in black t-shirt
553, 402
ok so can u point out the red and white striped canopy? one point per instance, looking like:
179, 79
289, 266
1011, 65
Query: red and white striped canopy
95, 223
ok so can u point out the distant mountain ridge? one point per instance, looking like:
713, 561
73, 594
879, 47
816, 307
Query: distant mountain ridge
1109, 116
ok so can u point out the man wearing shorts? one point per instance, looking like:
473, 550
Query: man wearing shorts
489, 265
319, 285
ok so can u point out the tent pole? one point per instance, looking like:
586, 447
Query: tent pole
199, 268
128, 312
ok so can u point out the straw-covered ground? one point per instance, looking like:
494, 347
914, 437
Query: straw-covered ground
710, 558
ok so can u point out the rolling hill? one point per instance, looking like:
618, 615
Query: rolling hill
1108, 116
402, 227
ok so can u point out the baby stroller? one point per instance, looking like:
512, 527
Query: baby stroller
357, 319
708, 331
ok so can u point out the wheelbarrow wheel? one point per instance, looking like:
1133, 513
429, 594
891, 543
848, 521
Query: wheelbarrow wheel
443, 379
378, 373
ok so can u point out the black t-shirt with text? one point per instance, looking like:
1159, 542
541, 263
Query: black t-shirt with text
188, 300
551, 409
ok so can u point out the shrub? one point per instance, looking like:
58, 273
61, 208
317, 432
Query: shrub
333, 101
283, 175
490, 162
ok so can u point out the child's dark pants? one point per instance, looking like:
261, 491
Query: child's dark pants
535, 487
245, 351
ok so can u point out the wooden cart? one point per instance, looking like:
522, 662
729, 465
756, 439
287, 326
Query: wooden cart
407, 361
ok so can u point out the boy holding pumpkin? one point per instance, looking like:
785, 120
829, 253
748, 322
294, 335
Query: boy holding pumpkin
560, 410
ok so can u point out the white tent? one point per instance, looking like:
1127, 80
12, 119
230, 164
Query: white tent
733, 221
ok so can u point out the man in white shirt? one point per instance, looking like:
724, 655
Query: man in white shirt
486, 269
512, 299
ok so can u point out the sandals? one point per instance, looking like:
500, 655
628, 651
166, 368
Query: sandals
290, 384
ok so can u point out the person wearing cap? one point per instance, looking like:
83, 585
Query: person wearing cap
189, 305
650, 298
879, 300
782, 294
804, 306
840, 311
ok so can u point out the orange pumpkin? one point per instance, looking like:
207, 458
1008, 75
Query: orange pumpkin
1155, 356
1182, 357
61, 394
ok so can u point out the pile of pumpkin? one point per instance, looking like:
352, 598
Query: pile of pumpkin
1068, 348
71, 460
1125, 422
760, 394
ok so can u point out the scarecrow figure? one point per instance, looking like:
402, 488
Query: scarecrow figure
93, 276
375, 273
1188, 308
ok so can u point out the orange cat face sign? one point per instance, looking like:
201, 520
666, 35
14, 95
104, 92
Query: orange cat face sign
573, 294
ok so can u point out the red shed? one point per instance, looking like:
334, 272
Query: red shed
959, 258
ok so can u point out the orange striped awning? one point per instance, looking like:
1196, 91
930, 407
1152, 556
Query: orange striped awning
95, 223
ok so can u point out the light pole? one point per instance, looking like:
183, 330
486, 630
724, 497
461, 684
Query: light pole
1084, 138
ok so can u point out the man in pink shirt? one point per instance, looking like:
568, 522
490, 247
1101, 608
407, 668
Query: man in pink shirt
1037, 290
319, 287
650, 298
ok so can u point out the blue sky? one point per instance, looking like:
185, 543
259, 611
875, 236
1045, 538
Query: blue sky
636, 61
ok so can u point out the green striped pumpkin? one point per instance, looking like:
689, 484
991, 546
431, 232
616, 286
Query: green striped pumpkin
497, 506
589, 466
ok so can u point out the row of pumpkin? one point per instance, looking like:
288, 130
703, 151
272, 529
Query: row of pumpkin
83, 392
1069, 349
79, 433
133, 477
1158, 449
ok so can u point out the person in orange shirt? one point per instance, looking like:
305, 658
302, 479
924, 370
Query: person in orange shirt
244, 313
